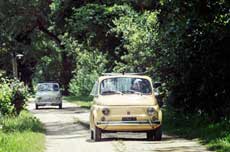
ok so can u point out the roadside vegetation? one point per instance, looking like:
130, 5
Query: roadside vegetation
19, 130
216, 135
82, 101
183, 44
23, 133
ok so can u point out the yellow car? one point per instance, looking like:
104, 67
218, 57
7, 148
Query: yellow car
125, 103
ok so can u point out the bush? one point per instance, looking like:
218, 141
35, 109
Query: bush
5, 98
89, 66
13, 95
20, 94
215, 135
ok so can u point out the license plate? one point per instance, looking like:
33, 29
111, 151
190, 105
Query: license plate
129, 118
48, 104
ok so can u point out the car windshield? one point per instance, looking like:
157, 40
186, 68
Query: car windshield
125, 85
48, 87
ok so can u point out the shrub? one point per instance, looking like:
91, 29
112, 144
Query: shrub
89, 66
13, 95
5, 99
20, 94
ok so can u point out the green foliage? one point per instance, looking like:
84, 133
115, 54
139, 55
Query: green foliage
83, 101
181, 43
22, 142
139, 33
21, 134
90, 64
18, 18
23, 122
215, 135
193, 56
46, 69
20, 95
91, 23
21, 23
13, 95
5, 99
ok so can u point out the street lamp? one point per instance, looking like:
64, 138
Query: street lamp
15, 64
19, 56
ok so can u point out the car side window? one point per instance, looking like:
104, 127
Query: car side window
94, 91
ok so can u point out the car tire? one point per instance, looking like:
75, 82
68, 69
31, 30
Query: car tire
60, 106
91, 135
97, 134
158, 134
36, 107
150, 135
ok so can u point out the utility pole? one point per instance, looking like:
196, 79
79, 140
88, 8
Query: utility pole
14, 65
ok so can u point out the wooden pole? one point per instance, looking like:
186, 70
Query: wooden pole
14, 65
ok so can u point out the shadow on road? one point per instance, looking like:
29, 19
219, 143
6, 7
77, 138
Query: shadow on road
56, 128
55, 110
109, 139
64, 131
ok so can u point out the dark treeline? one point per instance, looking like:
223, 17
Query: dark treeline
184, 44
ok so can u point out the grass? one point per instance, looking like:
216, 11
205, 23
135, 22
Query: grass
21, 134
83, 101
215, 135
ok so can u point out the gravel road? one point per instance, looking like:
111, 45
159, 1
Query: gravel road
65, 133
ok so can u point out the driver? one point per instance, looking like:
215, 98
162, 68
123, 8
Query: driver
137, 85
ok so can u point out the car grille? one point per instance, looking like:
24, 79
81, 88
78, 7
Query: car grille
46, 99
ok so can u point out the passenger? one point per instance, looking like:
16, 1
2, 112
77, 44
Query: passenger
137, 85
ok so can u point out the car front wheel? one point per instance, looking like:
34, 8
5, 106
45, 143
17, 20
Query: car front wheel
91, 135
36, 106
158, 134
60, 106
97, 134
150, 135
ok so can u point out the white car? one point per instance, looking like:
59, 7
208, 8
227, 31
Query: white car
48, 94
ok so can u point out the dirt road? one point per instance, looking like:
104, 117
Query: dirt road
66, 134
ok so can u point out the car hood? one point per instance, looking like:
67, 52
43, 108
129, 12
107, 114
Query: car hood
48, 94
126, 100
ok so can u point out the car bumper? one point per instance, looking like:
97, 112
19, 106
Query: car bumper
50, 103
144, 125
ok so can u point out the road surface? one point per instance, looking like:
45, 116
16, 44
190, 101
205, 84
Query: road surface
65, 133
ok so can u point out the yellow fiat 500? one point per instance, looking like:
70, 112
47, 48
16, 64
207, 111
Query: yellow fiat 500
125, 103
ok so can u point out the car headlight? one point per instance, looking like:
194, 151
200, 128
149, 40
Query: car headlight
150, 111
105, 111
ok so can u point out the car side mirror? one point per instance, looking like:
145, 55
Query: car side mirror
159, 98
156, 84
160, 103
62, 91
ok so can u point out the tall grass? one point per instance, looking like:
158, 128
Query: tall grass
83, 101
21, 134
215, 135
24, 122
21, 142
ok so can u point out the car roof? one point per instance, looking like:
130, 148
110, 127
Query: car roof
48, 83
124, 76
